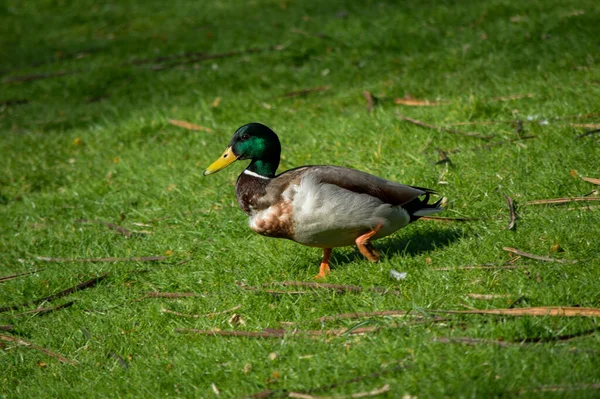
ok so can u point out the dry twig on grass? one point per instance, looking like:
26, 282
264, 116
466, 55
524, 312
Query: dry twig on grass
488, 297
559, 201
337, 287
447, 219
443, 129
115, 227
561, 388
555, 311
537, 257
195, 316
304, 92
22, 342
513, 215
13, 276
99, 260
189, 126
40, 311
591, 180
482, 267
7, 327
471, 341
588, 133
357, 395
278, 333
86, 284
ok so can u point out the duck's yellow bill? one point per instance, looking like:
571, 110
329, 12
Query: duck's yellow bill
224, 161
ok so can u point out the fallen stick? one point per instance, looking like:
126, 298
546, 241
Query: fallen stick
513, 215
276, 333
487, 297
46, 310
7, 327
115, 227
195, 316
443, 129
22, 342
86, 284
482, 267
537, 257
561, 388
304, 92
358, 315
337, 287
558, 201
189, 126
471, 341
554, 311
13, 276
447, 219
155, 294
370, 102
358, 395
591, 180
97, 260
588, 133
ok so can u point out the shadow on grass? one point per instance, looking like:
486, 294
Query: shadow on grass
408, 245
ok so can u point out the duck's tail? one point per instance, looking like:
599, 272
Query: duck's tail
420, 207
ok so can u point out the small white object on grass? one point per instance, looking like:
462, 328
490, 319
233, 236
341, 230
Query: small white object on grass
398, 275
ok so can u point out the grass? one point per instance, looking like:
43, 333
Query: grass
95, 143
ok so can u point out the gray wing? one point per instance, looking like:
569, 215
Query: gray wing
364, 183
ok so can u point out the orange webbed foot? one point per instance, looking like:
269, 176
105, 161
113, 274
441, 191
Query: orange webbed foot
324, 269
365, 247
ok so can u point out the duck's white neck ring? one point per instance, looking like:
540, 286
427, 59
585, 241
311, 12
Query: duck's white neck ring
250, 173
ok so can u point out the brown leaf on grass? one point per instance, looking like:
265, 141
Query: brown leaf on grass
559, 201
22, 342
189, 126
95, 260
357, 395
304, 92
555, 311
513, 215
216, 102
536, 257
13, 276
370, 101
443, 129
591, 180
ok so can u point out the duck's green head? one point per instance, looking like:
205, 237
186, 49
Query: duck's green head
253, 141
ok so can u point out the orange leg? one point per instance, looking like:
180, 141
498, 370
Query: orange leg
324, 269
365, 247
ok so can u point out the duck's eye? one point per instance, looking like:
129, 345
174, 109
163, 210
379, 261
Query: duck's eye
245, 137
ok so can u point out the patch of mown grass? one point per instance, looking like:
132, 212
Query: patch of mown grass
95, 143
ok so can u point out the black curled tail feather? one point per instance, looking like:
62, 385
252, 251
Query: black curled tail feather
418, 207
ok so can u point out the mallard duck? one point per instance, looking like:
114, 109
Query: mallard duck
318, 206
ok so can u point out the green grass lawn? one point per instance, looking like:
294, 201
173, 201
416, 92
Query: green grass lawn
86, 92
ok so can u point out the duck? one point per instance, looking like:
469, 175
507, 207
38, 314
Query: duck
319, 206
